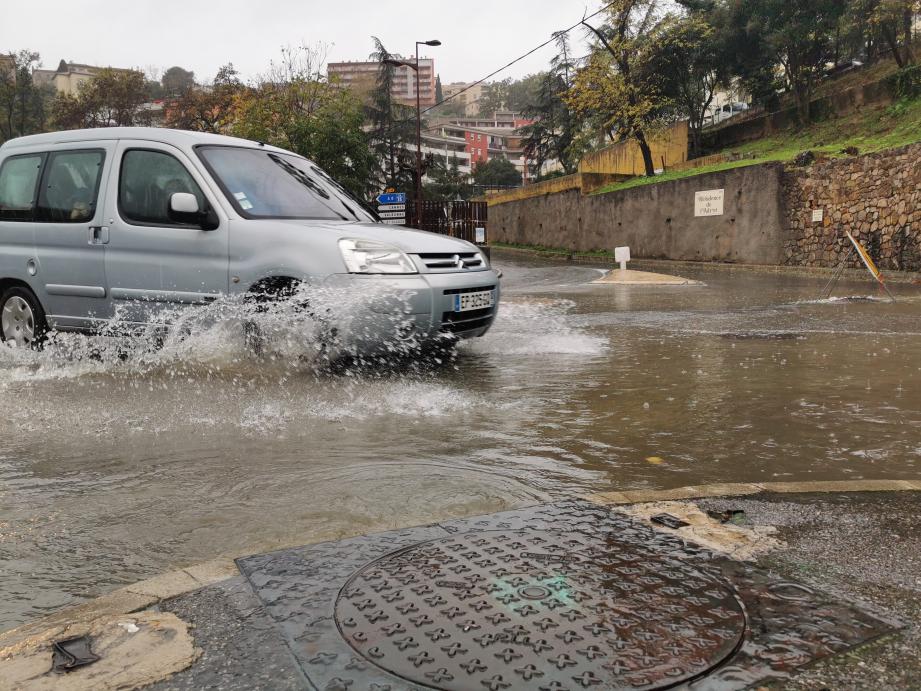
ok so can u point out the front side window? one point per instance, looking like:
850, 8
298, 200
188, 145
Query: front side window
18, 185
70, 187
267, 184
147, 181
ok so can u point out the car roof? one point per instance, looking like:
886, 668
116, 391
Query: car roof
179, 138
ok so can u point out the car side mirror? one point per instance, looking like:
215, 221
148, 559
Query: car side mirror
183, 207
183, 203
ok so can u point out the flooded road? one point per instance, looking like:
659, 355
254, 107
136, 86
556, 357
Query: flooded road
116, 468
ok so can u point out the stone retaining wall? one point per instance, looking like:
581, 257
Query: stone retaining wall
876, 197
656, 221
767, 218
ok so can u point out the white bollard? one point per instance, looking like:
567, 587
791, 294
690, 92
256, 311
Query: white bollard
622, 256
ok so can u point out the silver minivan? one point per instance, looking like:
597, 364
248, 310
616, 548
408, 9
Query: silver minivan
94, 221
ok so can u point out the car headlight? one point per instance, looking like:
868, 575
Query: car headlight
369, 257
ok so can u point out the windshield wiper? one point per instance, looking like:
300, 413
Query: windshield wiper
307, 182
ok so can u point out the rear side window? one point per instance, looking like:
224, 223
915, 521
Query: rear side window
70, 187
147, 181
18, 186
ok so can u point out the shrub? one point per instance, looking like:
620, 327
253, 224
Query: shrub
906, 83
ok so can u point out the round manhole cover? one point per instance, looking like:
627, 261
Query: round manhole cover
538, 609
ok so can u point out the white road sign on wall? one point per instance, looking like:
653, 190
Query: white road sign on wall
708, 203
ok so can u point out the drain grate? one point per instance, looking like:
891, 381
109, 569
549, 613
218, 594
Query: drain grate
564, 596
497, 609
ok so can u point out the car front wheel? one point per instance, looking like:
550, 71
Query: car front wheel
22, 319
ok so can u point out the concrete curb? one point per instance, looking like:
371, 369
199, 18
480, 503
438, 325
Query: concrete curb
149, 592
738, 489
130, 598
498, 251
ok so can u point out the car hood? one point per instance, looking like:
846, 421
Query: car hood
409, 240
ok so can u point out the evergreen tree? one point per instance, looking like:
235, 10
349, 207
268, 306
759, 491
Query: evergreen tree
393, 130
24, 106
552, 134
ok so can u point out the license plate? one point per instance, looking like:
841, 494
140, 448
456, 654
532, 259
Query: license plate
465, 302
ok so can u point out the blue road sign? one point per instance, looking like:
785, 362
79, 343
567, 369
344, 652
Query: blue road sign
391, 198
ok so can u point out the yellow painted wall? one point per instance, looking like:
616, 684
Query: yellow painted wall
620, 161
552, 186
624, 158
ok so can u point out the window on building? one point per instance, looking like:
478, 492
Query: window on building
18, 184
70, 187
148, 180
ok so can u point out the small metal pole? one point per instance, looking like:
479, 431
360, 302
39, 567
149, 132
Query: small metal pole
418, 146
833, 281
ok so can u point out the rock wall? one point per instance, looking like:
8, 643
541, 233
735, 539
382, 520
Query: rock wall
876, 197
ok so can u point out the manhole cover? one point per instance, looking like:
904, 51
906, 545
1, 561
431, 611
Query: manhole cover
547, 610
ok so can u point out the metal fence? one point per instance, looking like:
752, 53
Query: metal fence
457, 219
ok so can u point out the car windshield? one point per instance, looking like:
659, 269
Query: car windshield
269, 184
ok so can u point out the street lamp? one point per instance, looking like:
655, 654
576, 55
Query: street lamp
415, 68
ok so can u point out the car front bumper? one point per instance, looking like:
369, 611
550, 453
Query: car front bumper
419, 305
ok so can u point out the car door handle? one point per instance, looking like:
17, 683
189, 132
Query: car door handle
99, 235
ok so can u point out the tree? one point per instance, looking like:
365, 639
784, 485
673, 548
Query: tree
616, 89
392, 128
686, 54
523, 93
24, 106
294, 107
439, 92
112, 98
552, 134
799, 36
493, 98
888, 22
447, 182
745, 53
453, 107
177, 81
499, 172
206, 109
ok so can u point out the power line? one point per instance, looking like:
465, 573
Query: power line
553, 38
521, 57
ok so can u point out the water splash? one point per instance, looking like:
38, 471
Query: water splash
537, 327
313, 331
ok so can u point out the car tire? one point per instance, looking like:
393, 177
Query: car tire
22, 319
259, 300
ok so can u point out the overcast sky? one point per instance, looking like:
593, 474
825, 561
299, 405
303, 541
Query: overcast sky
478, 35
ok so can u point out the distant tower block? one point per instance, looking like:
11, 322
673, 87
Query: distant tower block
622, 256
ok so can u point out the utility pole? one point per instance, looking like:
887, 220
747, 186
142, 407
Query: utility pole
415, 68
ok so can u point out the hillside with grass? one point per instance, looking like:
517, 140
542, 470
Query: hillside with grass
868, 129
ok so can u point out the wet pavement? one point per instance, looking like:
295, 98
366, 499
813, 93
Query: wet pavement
113, 469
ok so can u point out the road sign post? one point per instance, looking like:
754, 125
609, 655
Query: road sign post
391, 207
391, 198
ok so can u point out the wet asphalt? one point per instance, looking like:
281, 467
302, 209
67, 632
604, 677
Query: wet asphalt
865, 548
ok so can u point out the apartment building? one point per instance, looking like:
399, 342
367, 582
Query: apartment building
362, 75
477, 140
466, 93
69, 76
7, 65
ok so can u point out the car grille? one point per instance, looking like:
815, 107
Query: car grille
445, 262
458, 322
